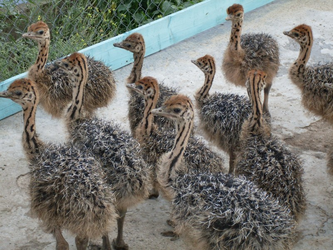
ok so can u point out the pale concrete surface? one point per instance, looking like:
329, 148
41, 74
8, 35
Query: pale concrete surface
306, 134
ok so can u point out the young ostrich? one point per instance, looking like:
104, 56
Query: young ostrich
313, 81
221, 115
119, 154
217, 211
135, 43
249, 51
68, 188
156, 140
53, 84
263, 158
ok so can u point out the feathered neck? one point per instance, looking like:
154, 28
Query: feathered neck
43, 54
30, 141
235, 36
137, 65
203, 93
146, 124
75, 110
256, 124
299, 65
175, 156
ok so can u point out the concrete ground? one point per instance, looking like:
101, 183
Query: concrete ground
305, 133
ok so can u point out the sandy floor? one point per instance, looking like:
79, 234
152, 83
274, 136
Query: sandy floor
306, 134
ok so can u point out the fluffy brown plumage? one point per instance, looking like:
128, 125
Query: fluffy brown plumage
217, 211
249, 51
53, 84
315, 82
119, 154
264, 159
135, 43
221, 115
68, 188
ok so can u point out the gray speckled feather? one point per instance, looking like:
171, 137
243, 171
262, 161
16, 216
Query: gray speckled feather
197, 156
118, 153
68, 189
268, 163
317, 90
222, 115
259, 48
265, 160
230, 213
100, 88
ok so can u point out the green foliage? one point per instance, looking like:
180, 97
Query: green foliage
74, 25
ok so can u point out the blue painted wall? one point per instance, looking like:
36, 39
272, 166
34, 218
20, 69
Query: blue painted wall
158, 35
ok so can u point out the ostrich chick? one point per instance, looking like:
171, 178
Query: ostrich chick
156, 140
315, 82
68, 188
221, 115
249, 51
264, 159
217, 211
53, 84
135, 43
119, 154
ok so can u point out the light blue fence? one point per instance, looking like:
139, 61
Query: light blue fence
158, 34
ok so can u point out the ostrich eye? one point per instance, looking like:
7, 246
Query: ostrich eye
176, 110
41, 32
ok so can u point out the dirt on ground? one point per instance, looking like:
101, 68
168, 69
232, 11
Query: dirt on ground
305, 134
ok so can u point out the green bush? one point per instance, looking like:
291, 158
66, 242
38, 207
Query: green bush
74, 25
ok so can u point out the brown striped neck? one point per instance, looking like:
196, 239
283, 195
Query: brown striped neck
75, 109
254, 86
180, 109
183, 134
207, 66
173, 164
31, 143
40, 33
43, 54
148, 117
79, 82
136, 71
303, 57
24, 92
302, 34
134, 43
236, 30
77, 68
148, 89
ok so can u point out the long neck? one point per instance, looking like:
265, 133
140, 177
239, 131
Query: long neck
75, 111
256, 119
147, 120
235, 35
203, 93
137, 66
176, 154
42, 57
303, 57
30, 141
